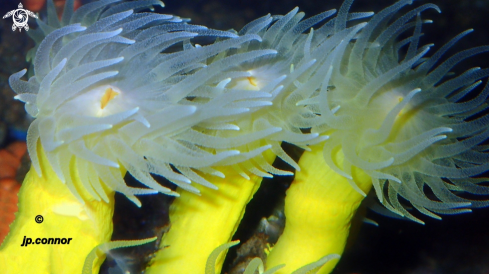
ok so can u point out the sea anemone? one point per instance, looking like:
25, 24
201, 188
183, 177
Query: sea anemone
115, 89
100, 90
393, 112
396, 121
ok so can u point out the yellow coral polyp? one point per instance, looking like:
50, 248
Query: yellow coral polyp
200, 224
87, 223
310, 233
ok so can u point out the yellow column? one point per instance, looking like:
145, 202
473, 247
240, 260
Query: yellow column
81, 226
200, 224
319, 207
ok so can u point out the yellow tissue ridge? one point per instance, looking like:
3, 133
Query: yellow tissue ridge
200, 224
88, 224
319, 207
71, 209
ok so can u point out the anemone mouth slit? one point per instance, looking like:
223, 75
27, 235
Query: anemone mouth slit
109, 94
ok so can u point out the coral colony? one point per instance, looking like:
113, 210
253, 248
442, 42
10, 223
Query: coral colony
116, 89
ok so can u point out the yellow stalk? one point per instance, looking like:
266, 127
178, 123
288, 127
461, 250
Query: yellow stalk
319, 207
200, 224
88, 225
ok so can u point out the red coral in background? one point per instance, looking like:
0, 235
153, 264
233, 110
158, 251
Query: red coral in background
10, 159
37, 5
